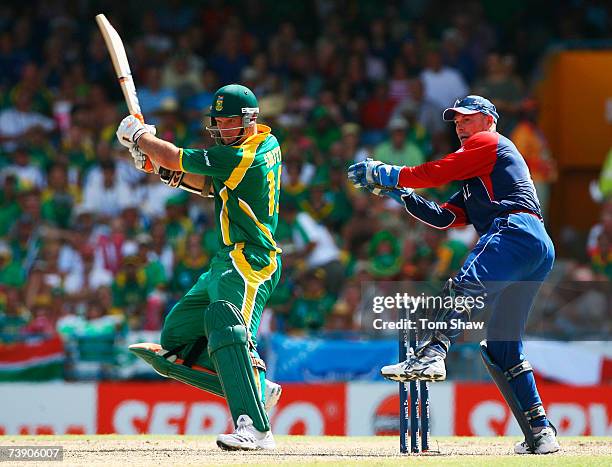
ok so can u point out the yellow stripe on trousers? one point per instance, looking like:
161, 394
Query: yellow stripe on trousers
257, 382
252, 279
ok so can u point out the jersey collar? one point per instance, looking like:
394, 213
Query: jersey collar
263, 131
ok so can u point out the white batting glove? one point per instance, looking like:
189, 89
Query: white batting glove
130, 129
140, 159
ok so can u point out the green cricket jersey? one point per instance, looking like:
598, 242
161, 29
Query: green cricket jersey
246, 179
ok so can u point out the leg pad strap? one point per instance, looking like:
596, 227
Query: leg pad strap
517, 370
536, 411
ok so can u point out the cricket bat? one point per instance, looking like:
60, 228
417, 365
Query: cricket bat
114, 44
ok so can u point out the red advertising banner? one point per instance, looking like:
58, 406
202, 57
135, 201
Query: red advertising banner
575, 410
173, 408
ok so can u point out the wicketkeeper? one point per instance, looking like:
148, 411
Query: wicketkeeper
208, 339
507, 265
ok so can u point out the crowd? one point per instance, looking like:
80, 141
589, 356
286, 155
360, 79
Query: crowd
88, 244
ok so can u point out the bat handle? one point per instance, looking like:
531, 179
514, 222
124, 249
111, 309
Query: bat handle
149, 165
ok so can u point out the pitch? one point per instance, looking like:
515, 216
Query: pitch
307, 450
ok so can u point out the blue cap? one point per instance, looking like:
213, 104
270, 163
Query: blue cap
471, 105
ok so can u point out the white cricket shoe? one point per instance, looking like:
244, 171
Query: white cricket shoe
427, 366
246, 437
545, 443
273, 394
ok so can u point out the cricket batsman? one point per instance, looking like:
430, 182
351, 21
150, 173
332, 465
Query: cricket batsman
208, 338
507, 265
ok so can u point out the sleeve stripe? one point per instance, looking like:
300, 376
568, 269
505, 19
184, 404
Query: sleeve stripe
181, 160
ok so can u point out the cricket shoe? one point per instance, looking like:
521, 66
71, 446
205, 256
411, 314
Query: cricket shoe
427, 365
273, 394
246, 437
545, 443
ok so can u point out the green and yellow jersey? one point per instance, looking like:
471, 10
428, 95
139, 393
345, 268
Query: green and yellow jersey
246, 179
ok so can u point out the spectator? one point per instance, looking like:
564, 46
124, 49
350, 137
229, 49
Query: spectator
109, 246
153, 268
106, 196
28, 175
601, 256
14, 316
362, 226
11, 60
190, 265
532, 144
599, 241
399, 150
24, 240
344, 312
197, 104
399, 83
11, 272
59, 198
170, 125
338, 196
41, 323
155, 40
153, 196
314, 243
317, 205
153, 94
80, 286
161, 249
420, 109
178, 223
503, 88
353, 151
47, 275
229, 59
456, 55
17, 121
293, 187
443, 85
605, 178
95, 322
386, 256
313, 304
32, 86
29, 202
183, 73
375, 113
324, 130
129, 290
9, 204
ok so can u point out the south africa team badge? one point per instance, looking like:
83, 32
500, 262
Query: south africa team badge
219, 104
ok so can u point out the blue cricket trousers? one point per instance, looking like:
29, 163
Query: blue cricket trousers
509, 263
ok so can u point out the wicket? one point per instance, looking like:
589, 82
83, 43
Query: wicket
418, 410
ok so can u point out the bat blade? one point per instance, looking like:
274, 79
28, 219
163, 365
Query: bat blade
115, 47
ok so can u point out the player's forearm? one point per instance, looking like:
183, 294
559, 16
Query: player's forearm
162, 153
432, 214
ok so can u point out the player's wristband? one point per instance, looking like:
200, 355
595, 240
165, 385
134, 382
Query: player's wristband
174, 179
